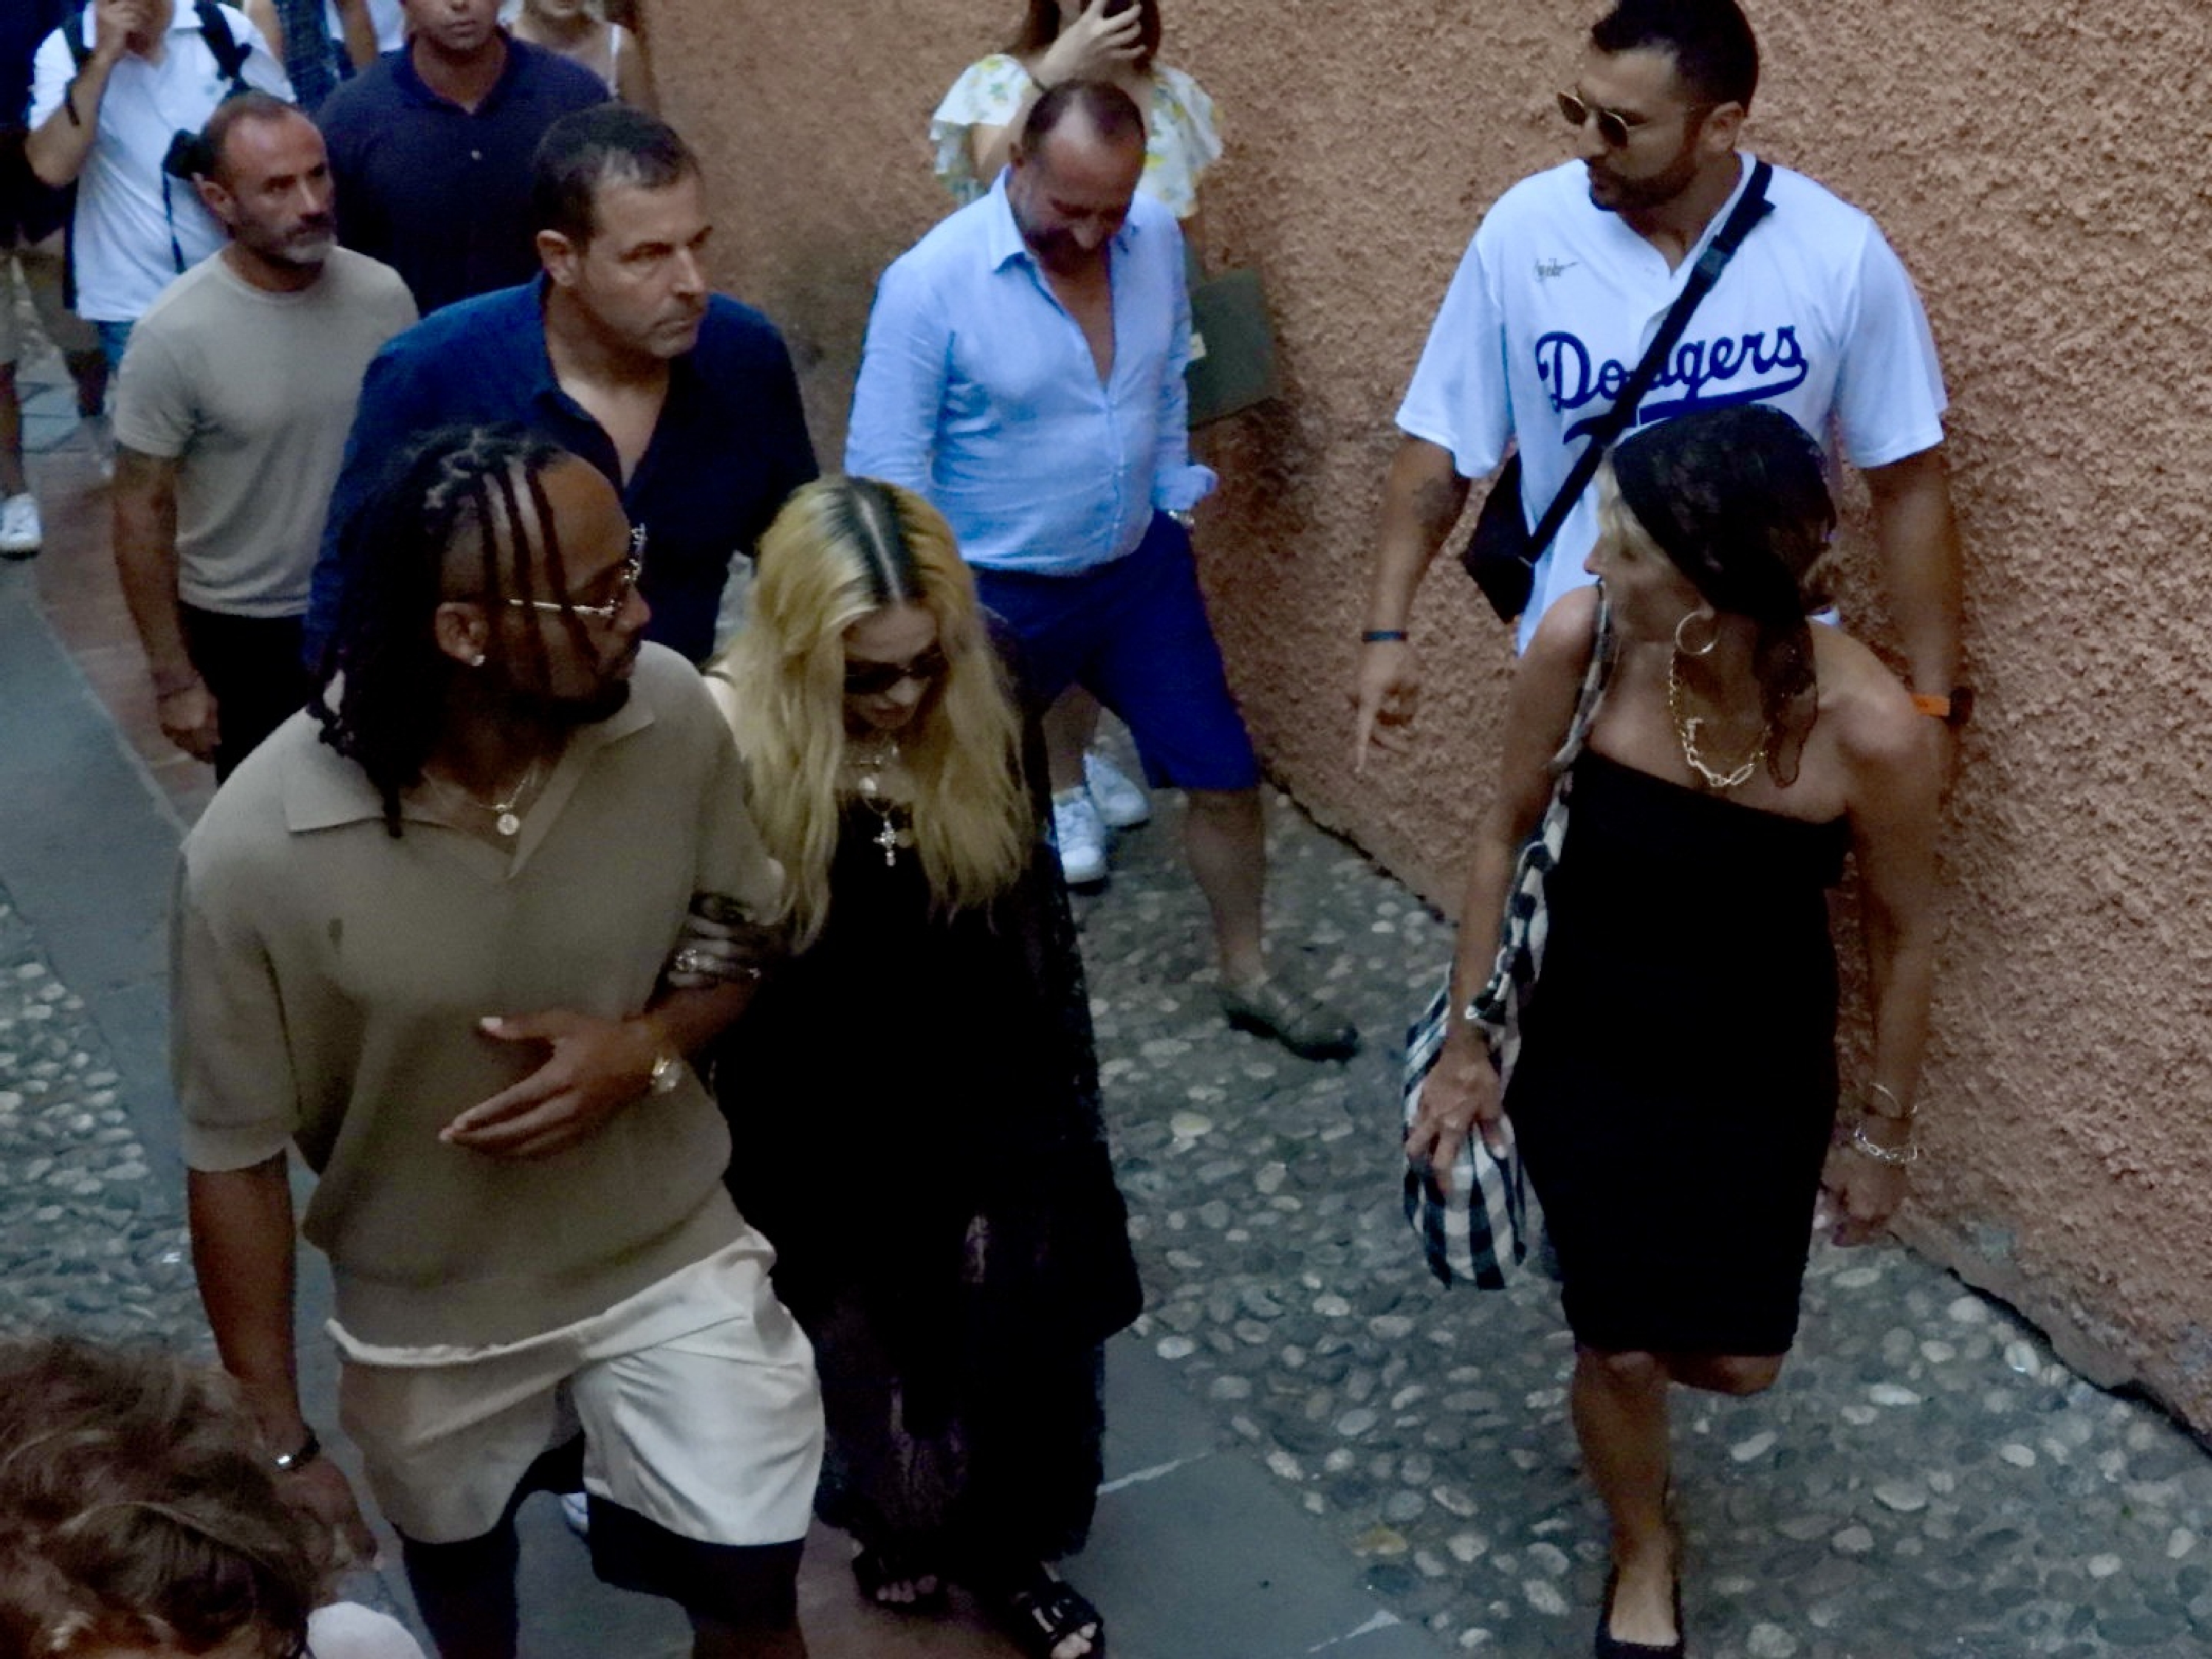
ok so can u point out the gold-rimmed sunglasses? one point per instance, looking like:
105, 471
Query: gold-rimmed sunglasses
625, 584
1614, 128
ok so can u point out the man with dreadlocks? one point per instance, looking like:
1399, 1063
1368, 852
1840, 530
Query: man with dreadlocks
419, 935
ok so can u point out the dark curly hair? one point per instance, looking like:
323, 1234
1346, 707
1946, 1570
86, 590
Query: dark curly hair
382, 663
137, 1509
1738, 499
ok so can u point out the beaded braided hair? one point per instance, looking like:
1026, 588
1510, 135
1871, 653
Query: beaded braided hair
457, 486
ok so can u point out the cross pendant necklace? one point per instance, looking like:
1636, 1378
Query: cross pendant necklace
889, 835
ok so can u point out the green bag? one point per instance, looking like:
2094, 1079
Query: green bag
1232, 347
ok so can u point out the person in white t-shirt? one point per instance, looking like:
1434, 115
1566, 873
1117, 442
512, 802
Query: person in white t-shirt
1563, 286
104, 113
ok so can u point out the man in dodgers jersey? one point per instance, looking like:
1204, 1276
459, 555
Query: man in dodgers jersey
1564, 288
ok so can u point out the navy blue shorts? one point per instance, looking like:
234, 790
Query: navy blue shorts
1134, 635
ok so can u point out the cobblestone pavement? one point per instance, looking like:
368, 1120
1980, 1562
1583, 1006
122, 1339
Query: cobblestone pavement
1926, 1479
89, 1240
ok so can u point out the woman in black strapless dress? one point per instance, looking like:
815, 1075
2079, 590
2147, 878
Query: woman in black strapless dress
1675, 1091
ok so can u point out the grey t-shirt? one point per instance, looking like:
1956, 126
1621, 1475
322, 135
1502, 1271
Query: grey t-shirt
252, 394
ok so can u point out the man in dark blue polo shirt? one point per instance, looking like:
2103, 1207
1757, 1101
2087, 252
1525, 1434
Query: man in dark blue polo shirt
431, 144
685, 400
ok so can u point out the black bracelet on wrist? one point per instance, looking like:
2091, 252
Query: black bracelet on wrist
1381, 635
292, 1461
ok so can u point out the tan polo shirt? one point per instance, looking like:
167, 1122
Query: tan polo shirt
327, 980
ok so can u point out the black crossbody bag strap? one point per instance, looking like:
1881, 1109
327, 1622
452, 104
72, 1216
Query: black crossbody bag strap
1751, 207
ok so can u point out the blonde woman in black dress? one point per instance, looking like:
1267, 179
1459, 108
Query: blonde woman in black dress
915, 1102
1676, 1087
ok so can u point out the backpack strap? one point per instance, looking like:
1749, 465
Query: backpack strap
230, 54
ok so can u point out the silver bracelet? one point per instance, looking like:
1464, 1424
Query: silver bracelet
1904, 1113
1896, 1158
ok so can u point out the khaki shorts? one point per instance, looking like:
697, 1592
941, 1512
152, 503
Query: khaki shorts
696, 1398
38, 267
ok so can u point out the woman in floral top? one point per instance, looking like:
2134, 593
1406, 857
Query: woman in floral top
1062, 40
1117, 41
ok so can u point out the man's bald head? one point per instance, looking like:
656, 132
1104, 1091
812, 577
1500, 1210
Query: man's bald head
1086, 113
1075, 168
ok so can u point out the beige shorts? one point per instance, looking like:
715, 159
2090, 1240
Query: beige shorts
696, 1398
38, 268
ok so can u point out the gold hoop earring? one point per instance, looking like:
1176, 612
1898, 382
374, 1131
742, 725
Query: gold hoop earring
1712, 639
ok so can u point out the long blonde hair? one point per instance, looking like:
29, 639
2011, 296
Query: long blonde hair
842, 549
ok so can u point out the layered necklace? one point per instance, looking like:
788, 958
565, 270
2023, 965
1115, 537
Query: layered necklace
1687, 725
895, 821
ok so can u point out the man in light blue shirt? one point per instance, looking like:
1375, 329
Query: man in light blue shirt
1023, 370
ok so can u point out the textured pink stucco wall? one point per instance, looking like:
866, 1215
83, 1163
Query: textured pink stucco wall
2036, 164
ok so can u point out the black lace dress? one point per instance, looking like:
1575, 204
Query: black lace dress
1676, 1083
915, 1119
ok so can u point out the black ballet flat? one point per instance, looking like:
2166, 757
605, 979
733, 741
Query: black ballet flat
1610, 1646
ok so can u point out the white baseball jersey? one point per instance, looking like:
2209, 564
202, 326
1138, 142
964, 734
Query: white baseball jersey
1556, 299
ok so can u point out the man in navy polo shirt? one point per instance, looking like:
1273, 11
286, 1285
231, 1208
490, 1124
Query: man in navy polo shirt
684, 398
431, 145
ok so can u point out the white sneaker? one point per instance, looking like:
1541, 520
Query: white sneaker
1080, 836
577, 1512
99, 438
21, 533
1121, 800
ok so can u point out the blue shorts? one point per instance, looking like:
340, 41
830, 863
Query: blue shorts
114, 338
1134, 635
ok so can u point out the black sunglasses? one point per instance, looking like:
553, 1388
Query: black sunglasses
873, 680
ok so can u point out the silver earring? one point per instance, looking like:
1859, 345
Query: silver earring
477, 661
1712, 639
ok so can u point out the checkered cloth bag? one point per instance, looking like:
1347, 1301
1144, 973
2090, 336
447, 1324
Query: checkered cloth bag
1480, 1230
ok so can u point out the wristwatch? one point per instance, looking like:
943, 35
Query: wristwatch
1954, 710
287, 1463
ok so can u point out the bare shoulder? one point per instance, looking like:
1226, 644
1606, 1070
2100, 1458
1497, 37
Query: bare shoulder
1564, 639
1547, 681
1875, 726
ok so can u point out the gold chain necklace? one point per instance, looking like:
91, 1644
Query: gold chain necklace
505, 815
1685, 729
891, 835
